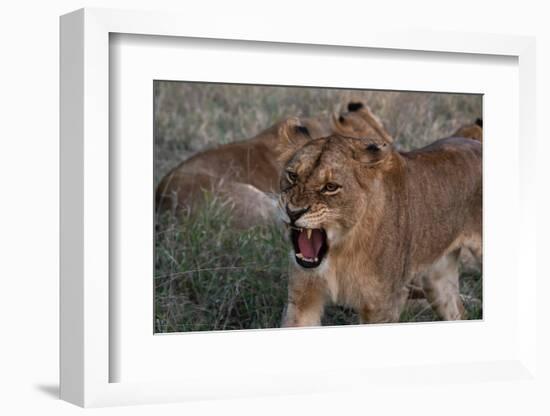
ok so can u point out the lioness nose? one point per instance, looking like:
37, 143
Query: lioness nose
295, 214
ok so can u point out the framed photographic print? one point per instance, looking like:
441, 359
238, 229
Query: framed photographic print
221, 249
280, 212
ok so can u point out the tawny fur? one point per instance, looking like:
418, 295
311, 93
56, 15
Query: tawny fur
471, 131
432, 274
397, 215
244, 173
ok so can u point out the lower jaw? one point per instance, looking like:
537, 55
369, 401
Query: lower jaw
308, 265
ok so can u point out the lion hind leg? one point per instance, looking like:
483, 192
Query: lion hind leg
441, 286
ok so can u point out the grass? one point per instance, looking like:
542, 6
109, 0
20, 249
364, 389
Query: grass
211, 276
190, 117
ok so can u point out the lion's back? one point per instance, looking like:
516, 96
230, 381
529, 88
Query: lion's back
448, 157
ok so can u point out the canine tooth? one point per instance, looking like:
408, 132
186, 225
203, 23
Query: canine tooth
300, 255
316, 259
309, 233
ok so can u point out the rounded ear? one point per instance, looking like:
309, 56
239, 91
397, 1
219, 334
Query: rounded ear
355, 106
375, 123
292, 135
370, 152
358, 109
337, 120
292, 129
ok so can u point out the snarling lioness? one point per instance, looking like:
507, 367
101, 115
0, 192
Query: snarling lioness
245, 173
364, 220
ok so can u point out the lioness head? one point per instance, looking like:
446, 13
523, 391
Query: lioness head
322, 188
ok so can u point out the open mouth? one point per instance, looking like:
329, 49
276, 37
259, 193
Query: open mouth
310, 246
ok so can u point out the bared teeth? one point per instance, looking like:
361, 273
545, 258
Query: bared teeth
308, 259
309, 233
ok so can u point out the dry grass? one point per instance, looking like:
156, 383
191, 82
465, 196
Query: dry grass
190, 117
209, 276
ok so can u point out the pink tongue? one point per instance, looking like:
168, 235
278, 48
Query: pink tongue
310, 247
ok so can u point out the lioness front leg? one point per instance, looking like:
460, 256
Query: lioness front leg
306, 301
385, 310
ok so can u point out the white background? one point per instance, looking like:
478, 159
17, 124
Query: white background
136, 61
29, 206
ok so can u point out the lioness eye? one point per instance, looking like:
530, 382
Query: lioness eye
291, 176
331, 187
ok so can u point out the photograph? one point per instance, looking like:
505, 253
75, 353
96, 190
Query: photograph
241, 208
299, 206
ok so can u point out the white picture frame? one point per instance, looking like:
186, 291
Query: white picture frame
86, 356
